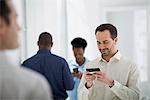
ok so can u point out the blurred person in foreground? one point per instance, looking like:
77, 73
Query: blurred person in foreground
16, 83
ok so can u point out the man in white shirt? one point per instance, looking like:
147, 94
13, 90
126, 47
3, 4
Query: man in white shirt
16, 83
118, 78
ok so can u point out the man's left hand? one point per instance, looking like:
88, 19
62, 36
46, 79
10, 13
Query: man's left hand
104, 78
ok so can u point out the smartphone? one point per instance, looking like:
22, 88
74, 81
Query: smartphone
89, 74
92, 69
75, 70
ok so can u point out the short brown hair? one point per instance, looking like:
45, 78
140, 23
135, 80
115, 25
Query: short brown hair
111, 28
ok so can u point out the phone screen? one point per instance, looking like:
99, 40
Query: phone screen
75, 70
89, 74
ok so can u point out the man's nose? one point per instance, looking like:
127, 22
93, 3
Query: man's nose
102, 46
18, 27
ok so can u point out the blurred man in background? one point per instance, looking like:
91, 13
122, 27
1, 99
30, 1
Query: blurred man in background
53, 67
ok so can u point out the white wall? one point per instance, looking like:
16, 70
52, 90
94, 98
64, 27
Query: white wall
79, 25
123, 20
148, 56
40, 16
146, 84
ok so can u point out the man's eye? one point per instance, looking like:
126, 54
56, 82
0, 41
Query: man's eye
98, 43
106, 42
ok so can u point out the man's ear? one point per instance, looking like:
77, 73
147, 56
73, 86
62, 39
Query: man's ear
2, 26
116, 39
38, 43
51, 44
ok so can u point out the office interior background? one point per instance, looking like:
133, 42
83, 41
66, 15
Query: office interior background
67, 19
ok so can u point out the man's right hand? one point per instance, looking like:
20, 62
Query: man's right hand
89, 79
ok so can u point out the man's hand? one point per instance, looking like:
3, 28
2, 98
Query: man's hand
104, 78
89, 79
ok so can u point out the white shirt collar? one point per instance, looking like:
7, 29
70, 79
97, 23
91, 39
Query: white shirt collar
117, 56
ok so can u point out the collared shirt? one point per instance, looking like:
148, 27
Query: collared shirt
73, 64
20, 83
125, 75
56, 71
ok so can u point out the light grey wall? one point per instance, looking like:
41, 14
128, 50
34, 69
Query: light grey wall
148, 36
123, 20
39, 18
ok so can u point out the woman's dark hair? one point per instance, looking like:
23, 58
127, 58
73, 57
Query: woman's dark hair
79, 43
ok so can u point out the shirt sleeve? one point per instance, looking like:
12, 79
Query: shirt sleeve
131, 90
41, 91
67, 77
83, 92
